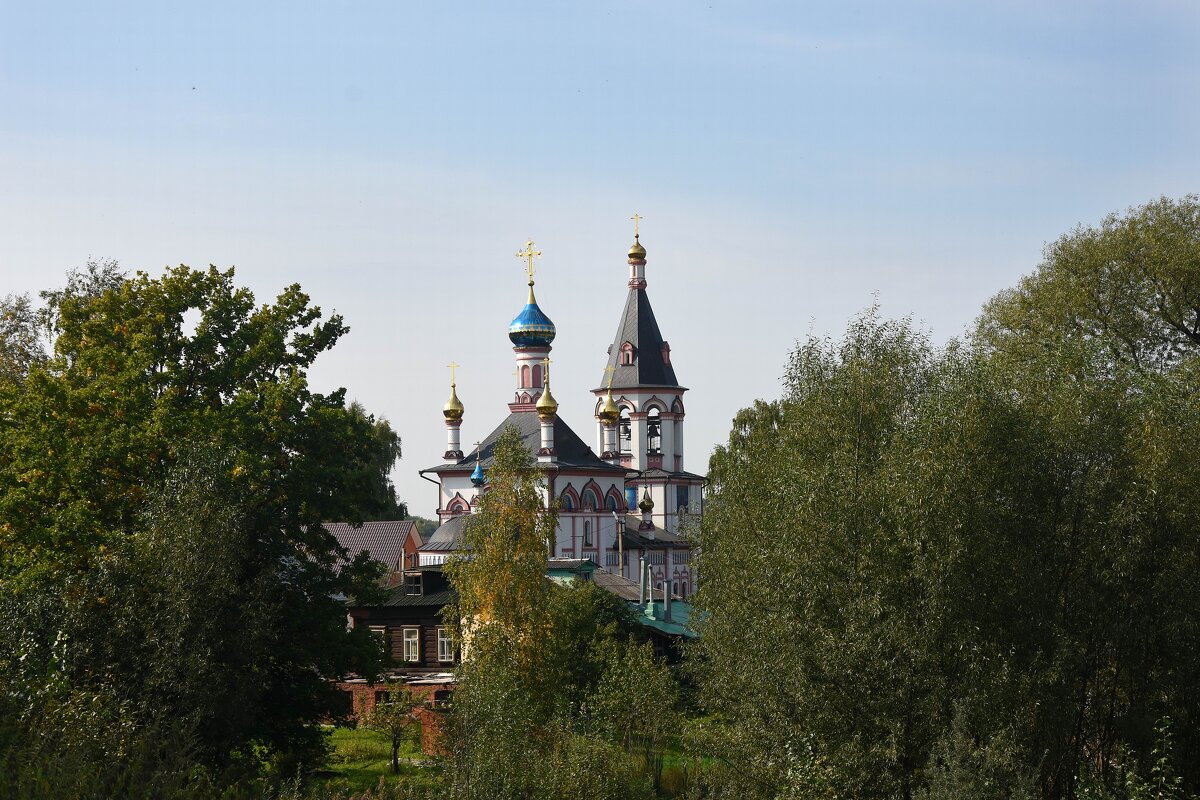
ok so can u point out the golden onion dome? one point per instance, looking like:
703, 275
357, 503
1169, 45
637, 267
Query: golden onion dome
453, 409
647, 505
636, 251
610, 413
547, 406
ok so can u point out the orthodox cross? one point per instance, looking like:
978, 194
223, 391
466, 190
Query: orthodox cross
478, 451
546, 371
453, 366
636, 219
529, 254
610, 369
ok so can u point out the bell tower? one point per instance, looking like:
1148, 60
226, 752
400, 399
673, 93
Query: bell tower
640, 380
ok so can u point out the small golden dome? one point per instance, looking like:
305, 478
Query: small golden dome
610, 413
547, 406
636, 251
647, 505
453, 409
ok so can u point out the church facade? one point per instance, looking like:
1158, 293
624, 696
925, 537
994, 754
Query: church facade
620, 504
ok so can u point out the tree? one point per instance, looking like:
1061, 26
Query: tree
393, 715
534, 654
161, 494
1131, 288
973, 574
20, 339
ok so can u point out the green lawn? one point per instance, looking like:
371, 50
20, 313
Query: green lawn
361, 757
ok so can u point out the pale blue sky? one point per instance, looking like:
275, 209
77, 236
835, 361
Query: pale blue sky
791, 159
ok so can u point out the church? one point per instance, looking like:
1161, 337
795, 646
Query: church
620, 504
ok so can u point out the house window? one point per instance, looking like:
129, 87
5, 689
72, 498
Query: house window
379, 630
610, 503
587, 534
445, 645
681, 498
412, 584
412, 644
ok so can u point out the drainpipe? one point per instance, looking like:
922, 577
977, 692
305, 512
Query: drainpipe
667, 601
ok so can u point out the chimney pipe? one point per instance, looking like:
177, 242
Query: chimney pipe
667, 601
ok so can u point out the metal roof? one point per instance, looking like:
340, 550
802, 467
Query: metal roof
399, 597
639, 327
571, 451
621, 586
382, 539
448, 536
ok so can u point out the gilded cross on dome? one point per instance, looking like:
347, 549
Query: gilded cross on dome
453, 365
636, 219
610, 369
546, 371
529, 254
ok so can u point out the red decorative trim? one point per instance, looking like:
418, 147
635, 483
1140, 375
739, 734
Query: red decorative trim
620, 498
457, 455
458, 504
654, 402
596, 491
569, 491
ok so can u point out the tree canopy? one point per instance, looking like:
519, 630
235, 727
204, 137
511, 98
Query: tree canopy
164, 470
974, 568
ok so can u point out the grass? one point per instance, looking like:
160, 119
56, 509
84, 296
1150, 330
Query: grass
362, 758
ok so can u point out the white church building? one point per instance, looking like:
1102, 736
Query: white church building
620, 504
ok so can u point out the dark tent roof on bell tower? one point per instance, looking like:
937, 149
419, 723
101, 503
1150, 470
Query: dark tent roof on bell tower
649, 363
651, 359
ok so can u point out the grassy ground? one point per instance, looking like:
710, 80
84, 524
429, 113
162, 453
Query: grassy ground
361, 758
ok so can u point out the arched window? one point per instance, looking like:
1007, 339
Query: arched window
653, 433
589, 501
610, 503
524, 376
626, 355
537, 374
587, 534
626, 433
565, 502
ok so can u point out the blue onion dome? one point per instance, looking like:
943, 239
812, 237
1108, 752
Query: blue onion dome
531, 328
477, 477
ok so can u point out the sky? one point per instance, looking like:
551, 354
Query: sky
794, 163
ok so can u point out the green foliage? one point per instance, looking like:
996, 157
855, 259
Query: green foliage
539, 711
361, 761
160, 498
974, 570
20, 338
1127, 289
393, 716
